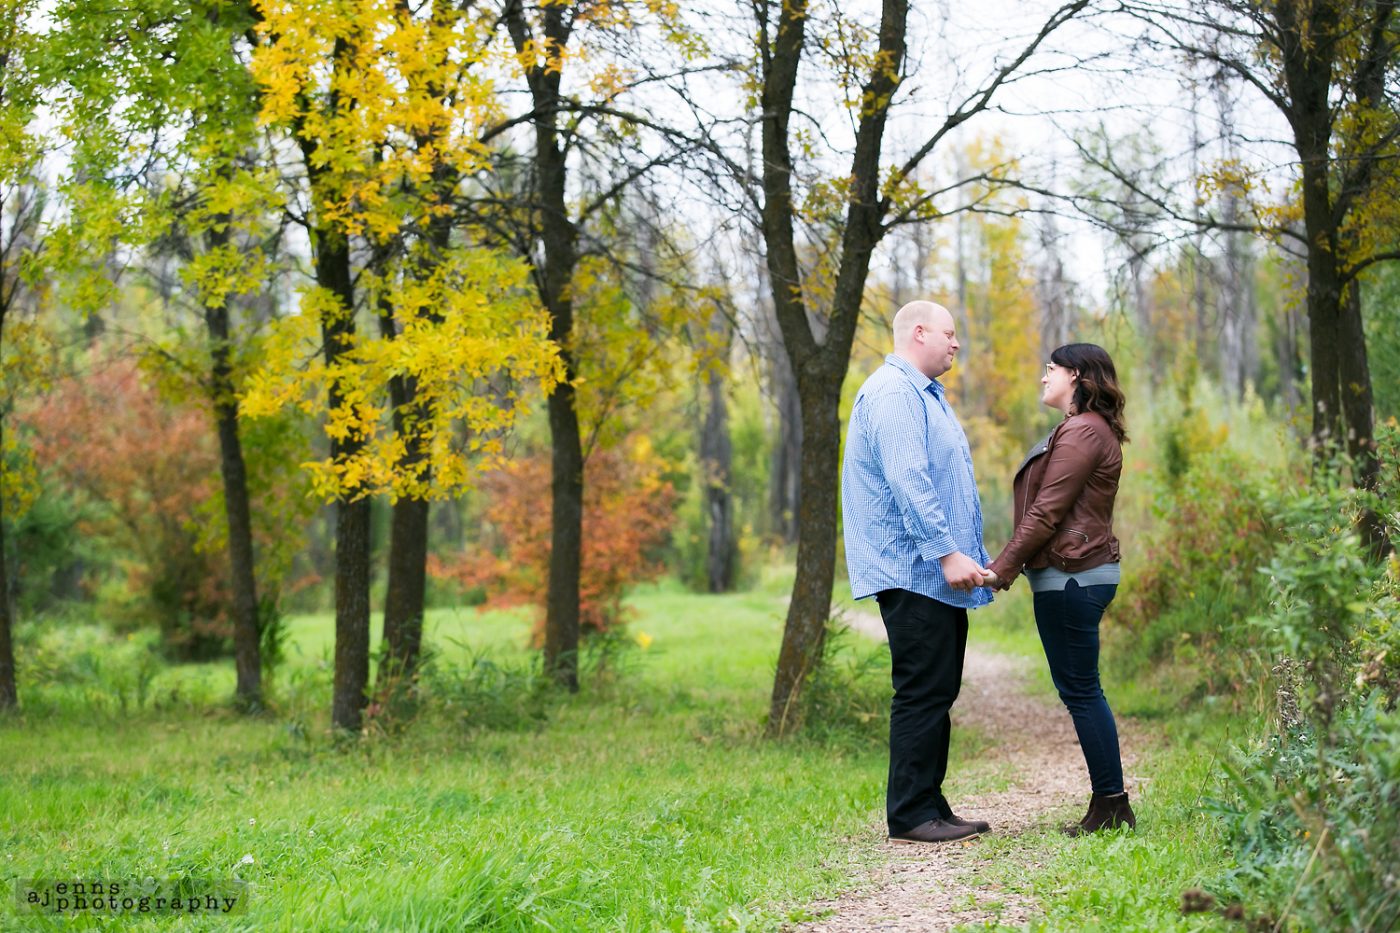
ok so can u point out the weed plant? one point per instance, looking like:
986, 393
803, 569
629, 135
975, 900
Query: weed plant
1310, 809
847, 700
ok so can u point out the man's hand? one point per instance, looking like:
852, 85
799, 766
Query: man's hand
961, 571
990, 578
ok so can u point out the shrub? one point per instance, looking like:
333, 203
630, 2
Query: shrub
143, 474
147, 467
1311, 809
627, 515
847, 699
1196, 577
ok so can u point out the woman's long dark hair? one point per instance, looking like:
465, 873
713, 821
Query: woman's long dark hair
1097, 387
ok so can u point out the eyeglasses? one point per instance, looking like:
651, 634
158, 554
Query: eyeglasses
1049, 368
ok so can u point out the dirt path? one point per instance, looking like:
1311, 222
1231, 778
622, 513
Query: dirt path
1032, 743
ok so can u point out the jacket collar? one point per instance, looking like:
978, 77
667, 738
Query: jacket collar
1040, 447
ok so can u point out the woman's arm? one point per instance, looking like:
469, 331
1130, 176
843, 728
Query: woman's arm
1073, 457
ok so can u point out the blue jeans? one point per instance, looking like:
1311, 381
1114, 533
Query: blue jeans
1068, 621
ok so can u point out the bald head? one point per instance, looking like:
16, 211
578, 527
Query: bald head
924, 335
916, 313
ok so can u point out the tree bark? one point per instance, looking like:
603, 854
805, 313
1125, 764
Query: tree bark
9, 692
1359, 412
785, 475
1053, 289
405, 596
1341, 381
558, 235
717, 467
331, 250
809, 609
819, 364
1306, 51
352, 523
247, 629
406, 591
410, 527
561, 633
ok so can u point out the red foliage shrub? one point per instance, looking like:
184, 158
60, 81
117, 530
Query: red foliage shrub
148, 466
629, 509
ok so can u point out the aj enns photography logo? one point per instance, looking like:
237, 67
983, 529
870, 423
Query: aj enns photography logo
182, 896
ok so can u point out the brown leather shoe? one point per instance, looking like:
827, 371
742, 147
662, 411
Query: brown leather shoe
1106, 811
981, 826
935, 831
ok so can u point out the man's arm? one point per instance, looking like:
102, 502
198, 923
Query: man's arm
899, 437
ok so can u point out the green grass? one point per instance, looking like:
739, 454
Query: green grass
646, 802
1123, 881
1128, 881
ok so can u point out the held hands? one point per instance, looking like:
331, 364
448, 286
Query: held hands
963, 573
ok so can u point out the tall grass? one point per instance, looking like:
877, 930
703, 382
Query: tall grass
646, 802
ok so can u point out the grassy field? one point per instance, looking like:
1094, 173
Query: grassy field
648, 801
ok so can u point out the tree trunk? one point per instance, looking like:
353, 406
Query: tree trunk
247, 629
819, 363
1142, 310
1341, 379
331, 252
557, 233
716, 466
406, 591
406, 595
561, 632
352, 552
804, 631
1053, 289
352, 522
1324, 313
785, 476
1358, 410
9, 693
1306, 49
1238, 354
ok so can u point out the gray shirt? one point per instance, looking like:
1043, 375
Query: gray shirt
1052, 579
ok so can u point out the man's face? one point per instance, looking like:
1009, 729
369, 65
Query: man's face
939, 343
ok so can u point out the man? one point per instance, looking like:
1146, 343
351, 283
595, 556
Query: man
913, 525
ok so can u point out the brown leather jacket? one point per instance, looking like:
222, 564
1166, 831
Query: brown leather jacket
1064, 500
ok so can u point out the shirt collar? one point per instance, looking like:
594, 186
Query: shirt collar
924, 383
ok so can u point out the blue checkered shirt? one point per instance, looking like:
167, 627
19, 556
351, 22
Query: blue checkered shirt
908, 496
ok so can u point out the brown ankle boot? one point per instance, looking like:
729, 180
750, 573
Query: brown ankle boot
1106, 811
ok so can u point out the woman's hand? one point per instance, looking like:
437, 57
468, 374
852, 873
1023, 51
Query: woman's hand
990, 578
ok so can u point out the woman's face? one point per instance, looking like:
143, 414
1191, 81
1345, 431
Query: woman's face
1058, 391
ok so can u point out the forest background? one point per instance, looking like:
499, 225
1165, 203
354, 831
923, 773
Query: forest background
361, 360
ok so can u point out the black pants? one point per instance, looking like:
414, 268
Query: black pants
927, 642
1068, 620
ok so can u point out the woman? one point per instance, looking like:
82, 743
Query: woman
1064, 542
